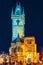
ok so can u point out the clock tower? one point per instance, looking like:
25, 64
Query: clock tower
18, 21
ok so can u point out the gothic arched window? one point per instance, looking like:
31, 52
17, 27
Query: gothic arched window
17, 22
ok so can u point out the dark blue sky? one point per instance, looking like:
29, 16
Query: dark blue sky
34, 21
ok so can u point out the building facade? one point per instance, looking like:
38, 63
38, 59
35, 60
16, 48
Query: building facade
18, 21
24, 50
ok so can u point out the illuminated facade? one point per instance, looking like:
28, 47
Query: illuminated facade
24, 50
28, 49
18, 21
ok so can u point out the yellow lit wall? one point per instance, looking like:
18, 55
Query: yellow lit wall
28, 49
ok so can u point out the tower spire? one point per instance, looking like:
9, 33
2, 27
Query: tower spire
23, 11
18, 9
12, 12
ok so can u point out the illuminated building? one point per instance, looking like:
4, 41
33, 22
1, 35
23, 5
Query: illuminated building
18, 21
26, 49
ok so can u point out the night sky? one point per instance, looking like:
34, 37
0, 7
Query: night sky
33, 18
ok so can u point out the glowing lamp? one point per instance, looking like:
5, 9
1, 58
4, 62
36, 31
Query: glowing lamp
1, 60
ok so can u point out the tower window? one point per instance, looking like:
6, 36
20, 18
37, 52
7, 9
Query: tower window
17, 22
29, 41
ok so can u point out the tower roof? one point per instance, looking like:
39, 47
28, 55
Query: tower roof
18, 10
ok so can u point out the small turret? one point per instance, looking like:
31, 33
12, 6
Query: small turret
23, 11
12, 12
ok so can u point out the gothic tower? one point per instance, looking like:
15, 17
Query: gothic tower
18, 21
